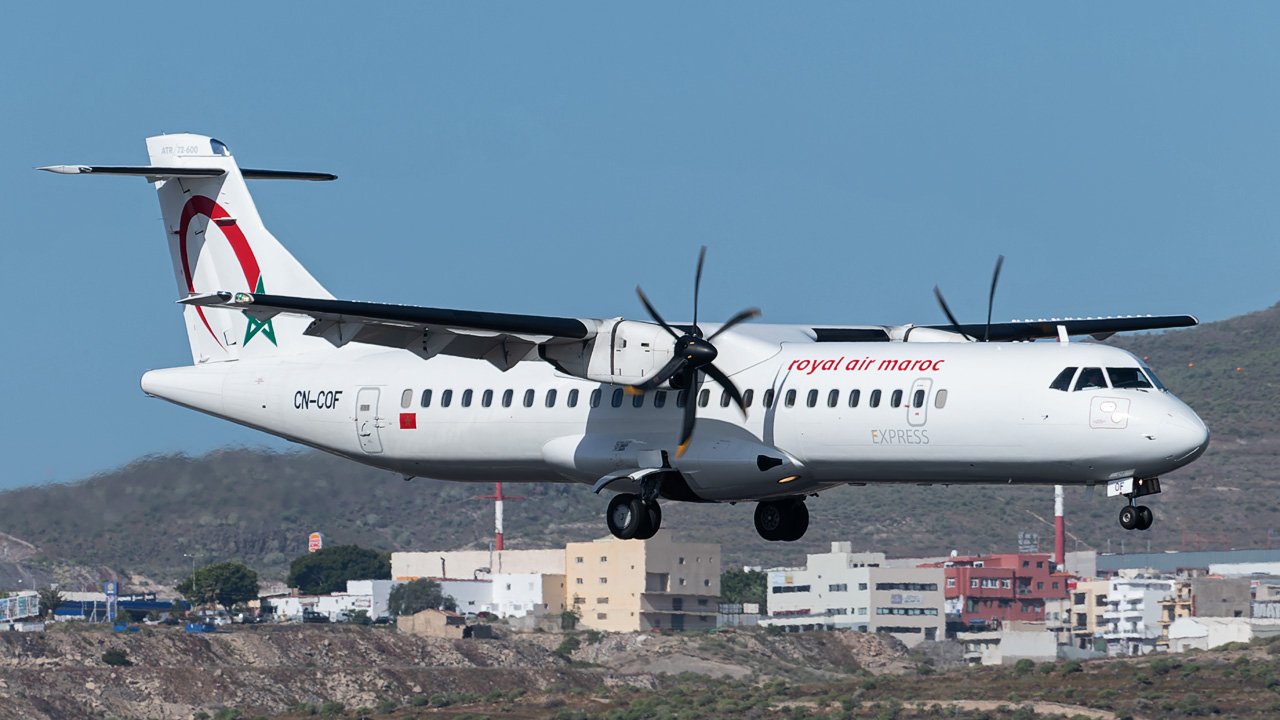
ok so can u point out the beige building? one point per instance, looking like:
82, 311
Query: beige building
844, 589
634, 585
469, 564
440, 623
1088, 604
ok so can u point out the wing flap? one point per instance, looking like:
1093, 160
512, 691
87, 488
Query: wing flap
1097, 327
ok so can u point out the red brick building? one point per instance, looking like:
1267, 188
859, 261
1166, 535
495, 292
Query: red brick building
994, 589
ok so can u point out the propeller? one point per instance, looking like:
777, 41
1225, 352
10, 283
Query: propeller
991, 301
694, 356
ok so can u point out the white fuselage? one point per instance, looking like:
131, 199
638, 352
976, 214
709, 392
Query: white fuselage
998, 420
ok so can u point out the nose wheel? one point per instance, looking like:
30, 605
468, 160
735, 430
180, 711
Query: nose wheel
1136, 517
785, 520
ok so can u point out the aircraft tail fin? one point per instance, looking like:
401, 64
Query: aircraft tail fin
218, 244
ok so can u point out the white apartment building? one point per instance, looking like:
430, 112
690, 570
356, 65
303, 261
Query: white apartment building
517, 595
1133, 614
847, 590
368, 595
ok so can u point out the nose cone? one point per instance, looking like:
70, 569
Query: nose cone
1185, 434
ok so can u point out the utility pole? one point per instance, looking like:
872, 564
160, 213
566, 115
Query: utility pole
193, 575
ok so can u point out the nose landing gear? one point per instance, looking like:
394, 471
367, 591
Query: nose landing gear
785, 520
1134, 516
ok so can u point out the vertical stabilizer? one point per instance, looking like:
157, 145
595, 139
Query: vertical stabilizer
218, 243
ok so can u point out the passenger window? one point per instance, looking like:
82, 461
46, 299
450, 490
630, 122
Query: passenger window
551, 398
1091, 379
446, 397
917, 400
704, 397
466, 398
1063, 381
767, 400
487, 398
637, 400
725, 398
595, 398
572, 400
1127, 378
617, 397
940, 400
660, 398
507, 395
875, 398
854, 396
528, 398
746, 397
896, 398
812, 398
833, 398
426, 398
682, 397
790, 400
406, 398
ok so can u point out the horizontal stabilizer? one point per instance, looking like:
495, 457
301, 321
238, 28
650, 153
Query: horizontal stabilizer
156, 171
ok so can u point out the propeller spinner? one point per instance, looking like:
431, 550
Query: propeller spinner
694, 356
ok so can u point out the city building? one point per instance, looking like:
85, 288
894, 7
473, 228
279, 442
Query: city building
633, 585
1227, 563
1133, 614
1088, 606
1014, 641
368, 595
470, 564
1206, 633
517, 595
990, 590
847, 590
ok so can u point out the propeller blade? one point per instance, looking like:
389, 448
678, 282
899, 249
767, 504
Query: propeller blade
654, 313
697, 286
991, 301
666, 373
954, 323
748, 314
690, 409
727, 384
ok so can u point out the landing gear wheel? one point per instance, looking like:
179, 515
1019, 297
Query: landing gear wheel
771, 521
1129, 517
797, 521
1145, 517
652, 516
626, 516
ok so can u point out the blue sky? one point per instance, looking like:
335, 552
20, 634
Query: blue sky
838, 159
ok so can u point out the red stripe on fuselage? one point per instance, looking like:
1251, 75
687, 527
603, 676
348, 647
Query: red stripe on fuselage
200, 205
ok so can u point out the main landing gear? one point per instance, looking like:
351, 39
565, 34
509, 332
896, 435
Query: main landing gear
782, 519
630, 517
1134, 516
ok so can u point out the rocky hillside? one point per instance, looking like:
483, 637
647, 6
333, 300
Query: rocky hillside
272, 671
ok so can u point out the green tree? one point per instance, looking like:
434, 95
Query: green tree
50, 600
226, 583
328, 570
418, 595
743, 586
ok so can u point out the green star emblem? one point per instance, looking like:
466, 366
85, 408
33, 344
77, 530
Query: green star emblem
255, 325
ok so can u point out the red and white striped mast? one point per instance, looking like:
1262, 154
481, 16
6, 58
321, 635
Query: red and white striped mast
497, 499
1059, 530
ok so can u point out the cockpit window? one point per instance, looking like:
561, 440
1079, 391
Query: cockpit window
218, 148
1091, 379
1063, 381
1152, 376
1129, 377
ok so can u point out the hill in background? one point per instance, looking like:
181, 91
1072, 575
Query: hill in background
259, 507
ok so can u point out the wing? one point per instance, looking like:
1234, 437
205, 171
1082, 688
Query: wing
503, 339
1099, 328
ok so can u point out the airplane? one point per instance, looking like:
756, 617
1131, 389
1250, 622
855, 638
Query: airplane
687, 412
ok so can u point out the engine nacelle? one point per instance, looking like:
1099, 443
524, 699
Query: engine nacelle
623, 352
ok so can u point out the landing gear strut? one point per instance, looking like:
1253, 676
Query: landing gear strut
1134, 516
630, 517
782, 519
